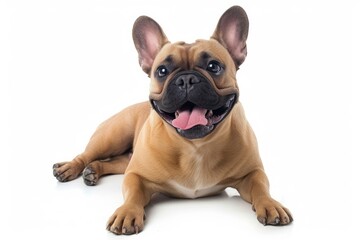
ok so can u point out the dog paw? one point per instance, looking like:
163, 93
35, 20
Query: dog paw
90, 176
66, 171
127, 220
271, 212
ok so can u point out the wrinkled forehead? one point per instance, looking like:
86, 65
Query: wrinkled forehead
190, 55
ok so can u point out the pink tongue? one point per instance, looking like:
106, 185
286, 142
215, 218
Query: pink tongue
190, 118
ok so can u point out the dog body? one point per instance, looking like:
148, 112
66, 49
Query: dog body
191, 139
194, 168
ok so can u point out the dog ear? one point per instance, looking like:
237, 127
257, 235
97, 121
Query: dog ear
148, 39
232, 31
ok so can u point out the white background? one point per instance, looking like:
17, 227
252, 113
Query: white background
65, 66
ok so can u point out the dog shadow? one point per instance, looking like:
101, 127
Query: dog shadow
229, 202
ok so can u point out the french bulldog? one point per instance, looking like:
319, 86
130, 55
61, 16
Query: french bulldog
191, 139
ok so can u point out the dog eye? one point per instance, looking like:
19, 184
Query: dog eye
214, 67
162, 71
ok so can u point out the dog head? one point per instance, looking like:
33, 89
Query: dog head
193, 86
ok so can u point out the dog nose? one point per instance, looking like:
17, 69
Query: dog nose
186, 81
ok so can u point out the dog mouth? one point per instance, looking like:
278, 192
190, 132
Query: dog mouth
193, 121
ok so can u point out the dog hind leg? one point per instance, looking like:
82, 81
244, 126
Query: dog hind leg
114, 165
114, 137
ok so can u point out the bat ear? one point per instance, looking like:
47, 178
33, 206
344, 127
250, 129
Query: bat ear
232, 31
148, 39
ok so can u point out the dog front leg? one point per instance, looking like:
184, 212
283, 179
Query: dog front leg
254, 188
129, 218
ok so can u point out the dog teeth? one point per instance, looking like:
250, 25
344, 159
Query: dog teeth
176, 114
209, 114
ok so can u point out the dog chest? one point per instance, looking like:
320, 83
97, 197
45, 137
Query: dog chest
195, 176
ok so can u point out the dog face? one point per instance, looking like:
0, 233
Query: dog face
193, 86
